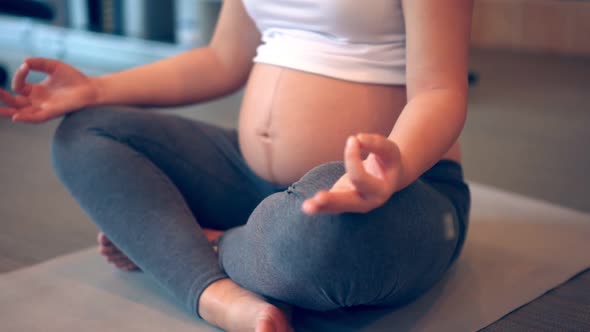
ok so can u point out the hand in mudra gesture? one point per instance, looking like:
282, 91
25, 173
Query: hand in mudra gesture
367, 184
65, 89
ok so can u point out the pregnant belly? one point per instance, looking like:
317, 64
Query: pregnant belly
292, 121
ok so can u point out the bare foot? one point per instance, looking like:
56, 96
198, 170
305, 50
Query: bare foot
115, 256
212, 234
233, 308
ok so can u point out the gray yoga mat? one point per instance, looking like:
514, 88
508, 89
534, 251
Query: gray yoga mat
517, 249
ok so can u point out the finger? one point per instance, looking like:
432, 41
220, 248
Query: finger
7, 111
7, 99
22, 113
21, 101
337, 202
311, 205
47, 111
13, 101
32, 115
363, 182
314, 204
385, 149
19, 81
44, 65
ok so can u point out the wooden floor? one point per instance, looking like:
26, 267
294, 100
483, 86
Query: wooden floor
527, 132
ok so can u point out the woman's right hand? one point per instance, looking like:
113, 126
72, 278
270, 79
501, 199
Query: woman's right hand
65, 89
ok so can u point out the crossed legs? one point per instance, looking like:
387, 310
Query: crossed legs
152, 182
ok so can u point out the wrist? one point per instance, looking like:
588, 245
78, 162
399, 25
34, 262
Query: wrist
98, 84
404, 177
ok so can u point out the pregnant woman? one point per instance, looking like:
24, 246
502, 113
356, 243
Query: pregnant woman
341, 187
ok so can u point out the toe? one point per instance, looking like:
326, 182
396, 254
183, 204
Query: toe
121, 266
103, 240
121, 263
131, 267
265, 325
273, 319
118, 259
108, 251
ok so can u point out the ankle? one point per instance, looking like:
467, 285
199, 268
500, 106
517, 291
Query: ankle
214, 299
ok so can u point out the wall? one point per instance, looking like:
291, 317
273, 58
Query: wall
548, 26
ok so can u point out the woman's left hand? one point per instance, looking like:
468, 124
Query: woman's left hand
367, 184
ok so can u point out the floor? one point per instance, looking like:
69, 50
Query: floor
527, 132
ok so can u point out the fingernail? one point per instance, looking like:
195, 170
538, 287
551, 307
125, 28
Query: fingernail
305, 208
350, 141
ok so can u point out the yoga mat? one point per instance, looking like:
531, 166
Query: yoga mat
516, 250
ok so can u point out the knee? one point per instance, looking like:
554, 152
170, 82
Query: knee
308, 253
77, 123
73, 136
319, 262
280, 220
346, 259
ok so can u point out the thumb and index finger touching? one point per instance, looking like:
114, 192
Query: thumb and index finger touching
43, 65
383, 149
363, 198
11, 104
381, 146
19, 81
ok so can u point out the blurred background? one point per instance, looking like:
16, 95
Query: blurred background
528, 128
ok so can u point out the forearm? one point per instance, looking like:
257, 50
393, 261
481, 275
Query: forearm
427, 128
189, 77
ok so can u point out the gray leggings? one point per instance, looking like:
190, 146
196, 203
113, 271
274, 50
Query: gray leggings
149, 180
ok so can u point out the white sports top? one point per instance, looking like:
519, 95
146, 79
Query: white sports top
355, 40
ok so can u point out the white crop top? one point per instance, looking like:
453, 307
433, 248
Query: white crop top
355, 40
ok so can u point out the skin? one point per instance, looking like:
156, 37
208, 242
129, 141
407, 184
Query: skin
423, 124
288, 119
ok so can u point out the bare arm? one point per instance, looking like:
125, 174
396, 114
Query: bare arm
196, 75
437, 59
437, 43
